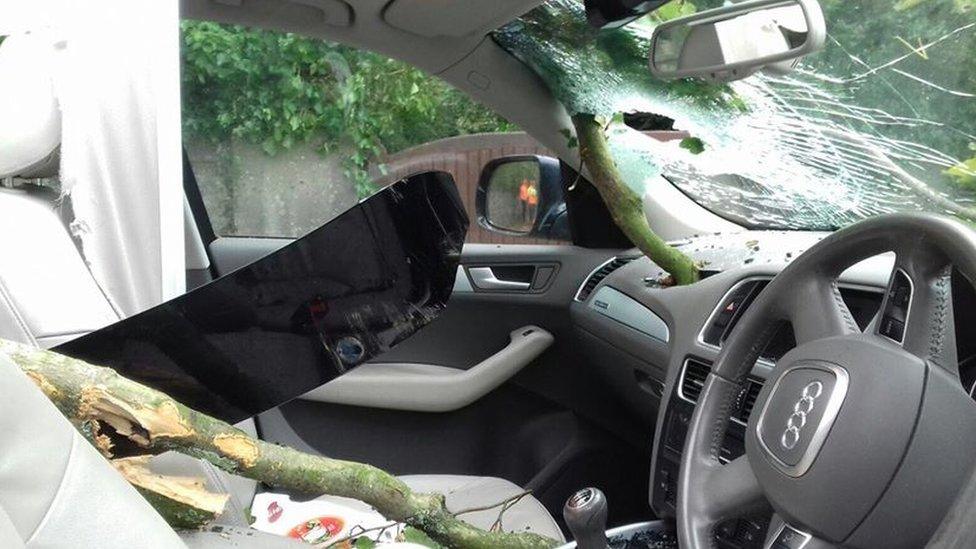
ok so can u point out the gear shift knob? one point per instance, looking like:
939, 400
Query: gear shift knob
586, 515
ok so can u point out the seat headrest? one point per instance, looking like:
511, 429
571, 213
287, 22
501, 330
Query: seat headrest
31, 129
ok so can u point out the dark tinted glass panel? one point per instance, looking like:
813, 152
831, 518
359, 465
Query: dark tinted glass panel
299, 317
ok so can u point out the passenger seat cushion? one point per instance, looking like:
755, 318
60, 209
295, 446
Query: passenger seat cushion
466, 492
226, 537
278, 513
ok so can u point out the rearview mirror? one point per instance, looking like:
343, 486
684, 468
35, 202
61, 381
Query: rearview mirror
523, 196
733, 42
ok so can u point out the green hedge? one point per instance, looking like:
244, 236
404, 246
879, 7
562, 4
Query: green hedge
278, 89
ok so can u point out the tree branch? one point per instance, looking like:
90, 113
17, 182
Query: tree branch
184, 502
512, 500
360, 532
153, 420
624, 204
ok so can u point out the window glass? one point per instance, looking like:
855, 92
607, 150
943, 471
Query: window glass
286, 132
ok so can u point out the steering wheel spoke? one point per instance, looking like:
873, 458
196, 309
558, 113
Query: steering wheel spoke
733, 490
817, 311
917, 308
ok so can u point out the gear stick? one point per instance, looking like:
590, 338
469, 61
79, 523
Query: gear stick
586, 515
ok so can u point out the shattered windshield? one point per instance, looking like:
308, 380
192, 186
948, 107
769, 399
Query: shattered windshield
882, 120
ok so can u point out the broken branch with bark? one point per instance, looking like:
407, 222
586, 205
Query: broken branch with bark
624, 204
89, 394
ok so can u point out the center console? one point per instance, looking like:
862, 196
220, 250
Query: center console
742, 533
655, 534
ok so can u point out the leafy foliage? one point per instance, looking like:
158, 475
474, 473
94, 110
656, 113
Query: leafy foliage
278, 89
601, 72
673, 10
964, 173
693, 145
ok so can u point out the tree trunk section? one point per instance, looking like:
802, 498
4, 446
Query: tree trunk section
153, 420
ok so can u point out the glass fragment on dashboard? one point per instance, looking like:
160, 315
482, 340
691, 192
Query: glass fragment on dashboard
297, 318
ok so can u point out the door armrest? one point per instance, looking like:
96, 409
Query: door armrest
429, 387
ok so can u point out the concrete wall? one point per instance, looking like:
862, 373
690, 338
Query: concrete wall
250, 193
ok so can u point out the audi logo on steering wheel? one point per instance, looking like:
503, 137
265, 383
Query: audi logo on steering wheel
801, 409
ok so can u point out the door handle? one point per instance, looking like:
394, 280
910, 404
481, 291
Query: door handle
484, 278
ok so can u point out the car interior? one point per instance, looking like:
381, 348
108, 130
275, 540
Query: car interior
557, 367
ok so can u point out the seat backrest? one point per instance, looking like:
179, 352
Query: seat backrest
55, 489
47, 294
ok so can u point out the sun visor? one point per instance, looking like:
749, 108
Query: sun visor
455, 18
270, 13
290, 322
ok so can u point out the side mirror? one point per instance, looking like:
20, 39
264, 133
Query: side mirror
523, 196
734, 41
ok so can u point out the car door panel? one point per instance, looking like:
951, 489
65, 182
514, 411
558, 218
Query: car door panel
477, 323
552, 427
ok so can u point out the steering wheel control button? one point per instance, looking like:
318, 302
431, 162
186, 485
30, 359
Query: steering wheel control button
892, 329
799, 413
790, 538
897, 303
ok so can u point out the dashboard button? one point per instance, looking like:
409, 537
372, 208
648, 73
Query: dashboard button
892, 328
790, 538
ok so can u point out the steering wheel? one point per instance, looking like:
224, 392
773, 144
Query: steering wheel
857, 439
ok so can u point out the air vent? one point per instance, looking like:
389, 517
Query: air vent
599, 274
693, 380
749, 400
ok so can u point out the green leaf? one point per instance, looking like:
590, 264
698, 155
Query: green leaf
275, 90
963, 174
413, 535
571, 140
693, 145
673, 10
